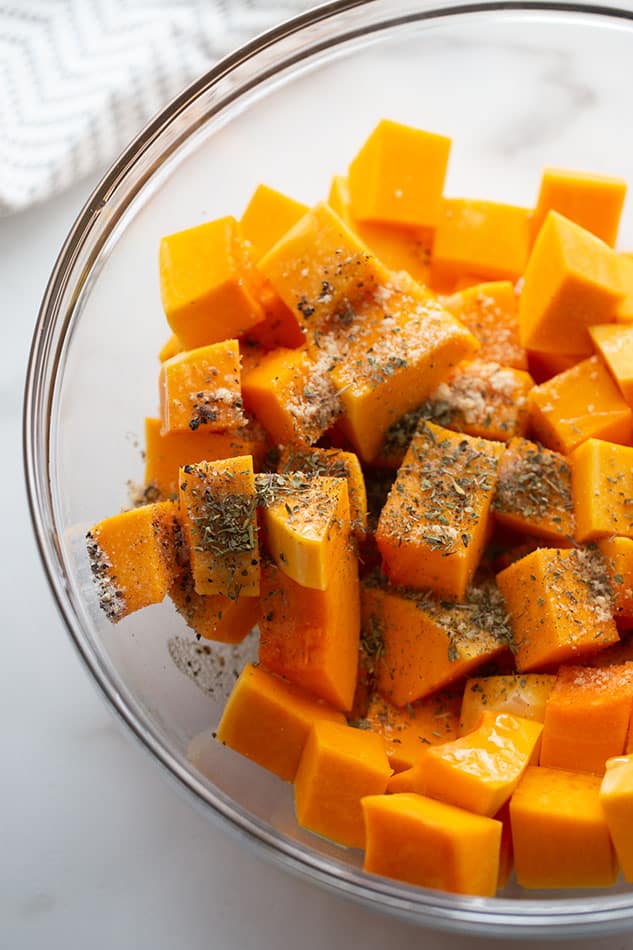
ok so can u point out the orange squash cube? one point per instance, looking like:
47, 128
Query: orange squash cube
616, 798
587, 717
207, 283
434, 525
279, 326
267, 217
560, 606
431, 844
559, 831
624, 310
615, 344
479, 771
618, 556
334, 463
602, 485
213, 617
581, 403
491, 313
132, 558
338, 767
534, 492
523, 695
592, 201
165, 454
543, 366
426, 645
202, 388
407, 732
385, 183
217, 505
572, 281
311, 636
268, 720
480, 238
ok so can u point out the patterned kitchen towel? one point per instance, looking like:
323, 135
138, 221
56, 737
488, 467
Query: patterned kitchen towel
79, 78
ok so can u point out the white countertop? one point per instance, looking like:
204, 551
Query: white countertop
147, 871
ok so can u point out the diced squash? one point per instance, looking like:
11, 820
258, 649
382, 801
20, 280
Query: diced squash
164, 454
292, 394
479, 771
616, 798
618, 555
624, 310
214, 616
602, 484
406, 732
523, 695
399, 344
338, 767
533, 492
319, 267
482, 399
171, 347
202, 388
560, 607
279, 326
311, 636
491, 313
543, 366
480, 238
385, 182
614, 342
132, 557
434, 526
427, 645
587, 717
335, 463
267, 217
268, 720
431, 844
572, 281
307, 525
217, 504
559, 832
208, 285
581, 403
592, 201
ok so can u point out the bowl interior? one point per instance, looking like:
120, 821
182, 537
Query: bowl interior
516, 89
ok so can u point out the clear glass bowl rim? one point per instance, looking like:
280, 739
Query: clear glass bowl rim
496, 916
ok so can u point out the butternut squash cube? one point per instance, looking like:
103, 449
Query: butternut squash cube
581, 403
434, 526
407, 732
615, 344
491, 313
480, 238
279, 326
311, 636
618, 556
334, 463
431, 844
385, 182
523, 695
338, 767
427, 645
307, 523
165, 454
267, 217
624, 310
571, 282
587, 717
560, 606
616, 798
559, 832
207, 283
132, 558
534, 492
543, 366
592, 201
479, 771
213, 616
269, 721
202, 388
602, 484
217, 504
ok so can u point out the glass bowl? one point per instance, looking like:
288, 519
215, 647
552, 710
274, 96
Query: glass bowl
517, 85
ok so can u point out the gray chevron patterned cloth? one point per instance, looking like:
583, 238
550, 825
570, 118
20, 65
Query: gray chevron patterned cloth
79, 78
